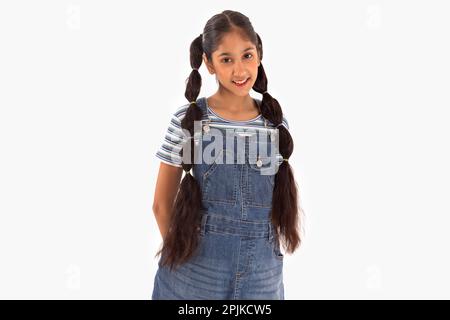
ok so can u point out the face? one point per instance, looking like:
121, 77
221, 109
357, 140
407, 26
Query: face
234, 60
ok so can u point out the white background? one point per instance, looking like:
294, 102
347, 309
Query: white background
87, 89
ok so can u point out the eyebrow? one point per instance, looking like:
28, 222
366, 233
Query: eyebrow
229, 54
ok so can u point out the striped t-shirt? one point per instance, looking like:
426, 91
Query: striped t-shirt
169, 150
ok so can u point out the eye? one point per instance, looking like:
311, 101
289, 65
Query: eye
251, 56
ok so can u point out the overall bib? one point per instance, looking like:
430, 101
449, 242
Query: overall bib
239, 255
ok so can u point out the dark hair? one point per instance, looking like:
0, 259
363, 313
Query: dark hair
182, 237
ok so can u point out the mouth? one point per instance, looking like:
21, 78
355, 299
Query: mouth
241, 83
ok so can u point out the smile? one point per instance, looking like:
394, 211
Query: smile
241, 83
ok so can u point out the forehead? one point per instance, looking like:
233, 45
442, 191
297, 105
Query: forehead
234, 44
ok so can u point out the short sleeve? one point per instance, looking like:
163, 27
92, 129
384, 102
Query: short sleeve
285, 122
169, 150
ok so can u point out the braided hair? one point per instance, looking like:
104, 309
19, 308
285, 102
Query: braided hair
181, 240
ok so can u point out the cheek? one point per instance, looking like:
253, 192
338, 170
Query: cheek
223, 74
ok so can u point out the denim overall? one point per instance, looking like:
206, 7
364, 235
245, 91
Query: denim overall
238, 255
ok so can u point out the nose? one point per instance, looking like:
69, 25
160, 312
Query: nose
239, 70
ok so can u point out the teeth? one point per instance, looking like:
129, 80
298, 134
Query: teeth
240, 82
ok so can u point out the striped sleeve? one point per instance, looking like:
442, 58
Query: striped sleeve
285, 122
169, 150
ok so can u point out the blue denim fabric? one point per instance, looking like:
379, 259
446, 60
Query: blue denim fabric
239, 256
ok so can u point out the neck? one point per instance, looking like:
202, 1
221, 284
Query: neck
233, 102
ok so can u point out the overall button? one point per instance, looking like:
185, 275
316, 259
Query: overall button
206, 128
259, 163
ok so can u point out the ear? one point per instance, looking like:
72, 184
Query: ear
208, 65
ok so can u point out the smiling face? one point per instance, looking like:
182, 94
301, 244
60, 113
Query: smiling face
235, 59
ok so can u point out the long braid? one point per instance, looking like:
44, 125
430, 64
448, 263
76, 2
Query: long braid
179, 243
284, 213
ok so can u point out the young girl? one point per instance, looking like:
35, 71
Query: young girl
222, 225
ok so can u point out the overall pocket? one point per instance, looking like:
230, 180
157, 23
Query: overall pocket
220, 181
275, 244
277, 252
261, 181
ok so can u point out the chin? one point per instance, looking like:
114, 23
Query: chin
241, 93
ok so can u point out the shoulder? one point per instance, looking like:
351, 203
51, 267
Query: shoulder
177, 115
179, 112
285, 122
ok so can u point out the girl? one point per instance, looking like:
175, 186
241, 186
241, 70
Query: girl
222, 225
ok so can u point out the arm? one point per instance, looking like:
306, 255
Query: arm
165, 191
